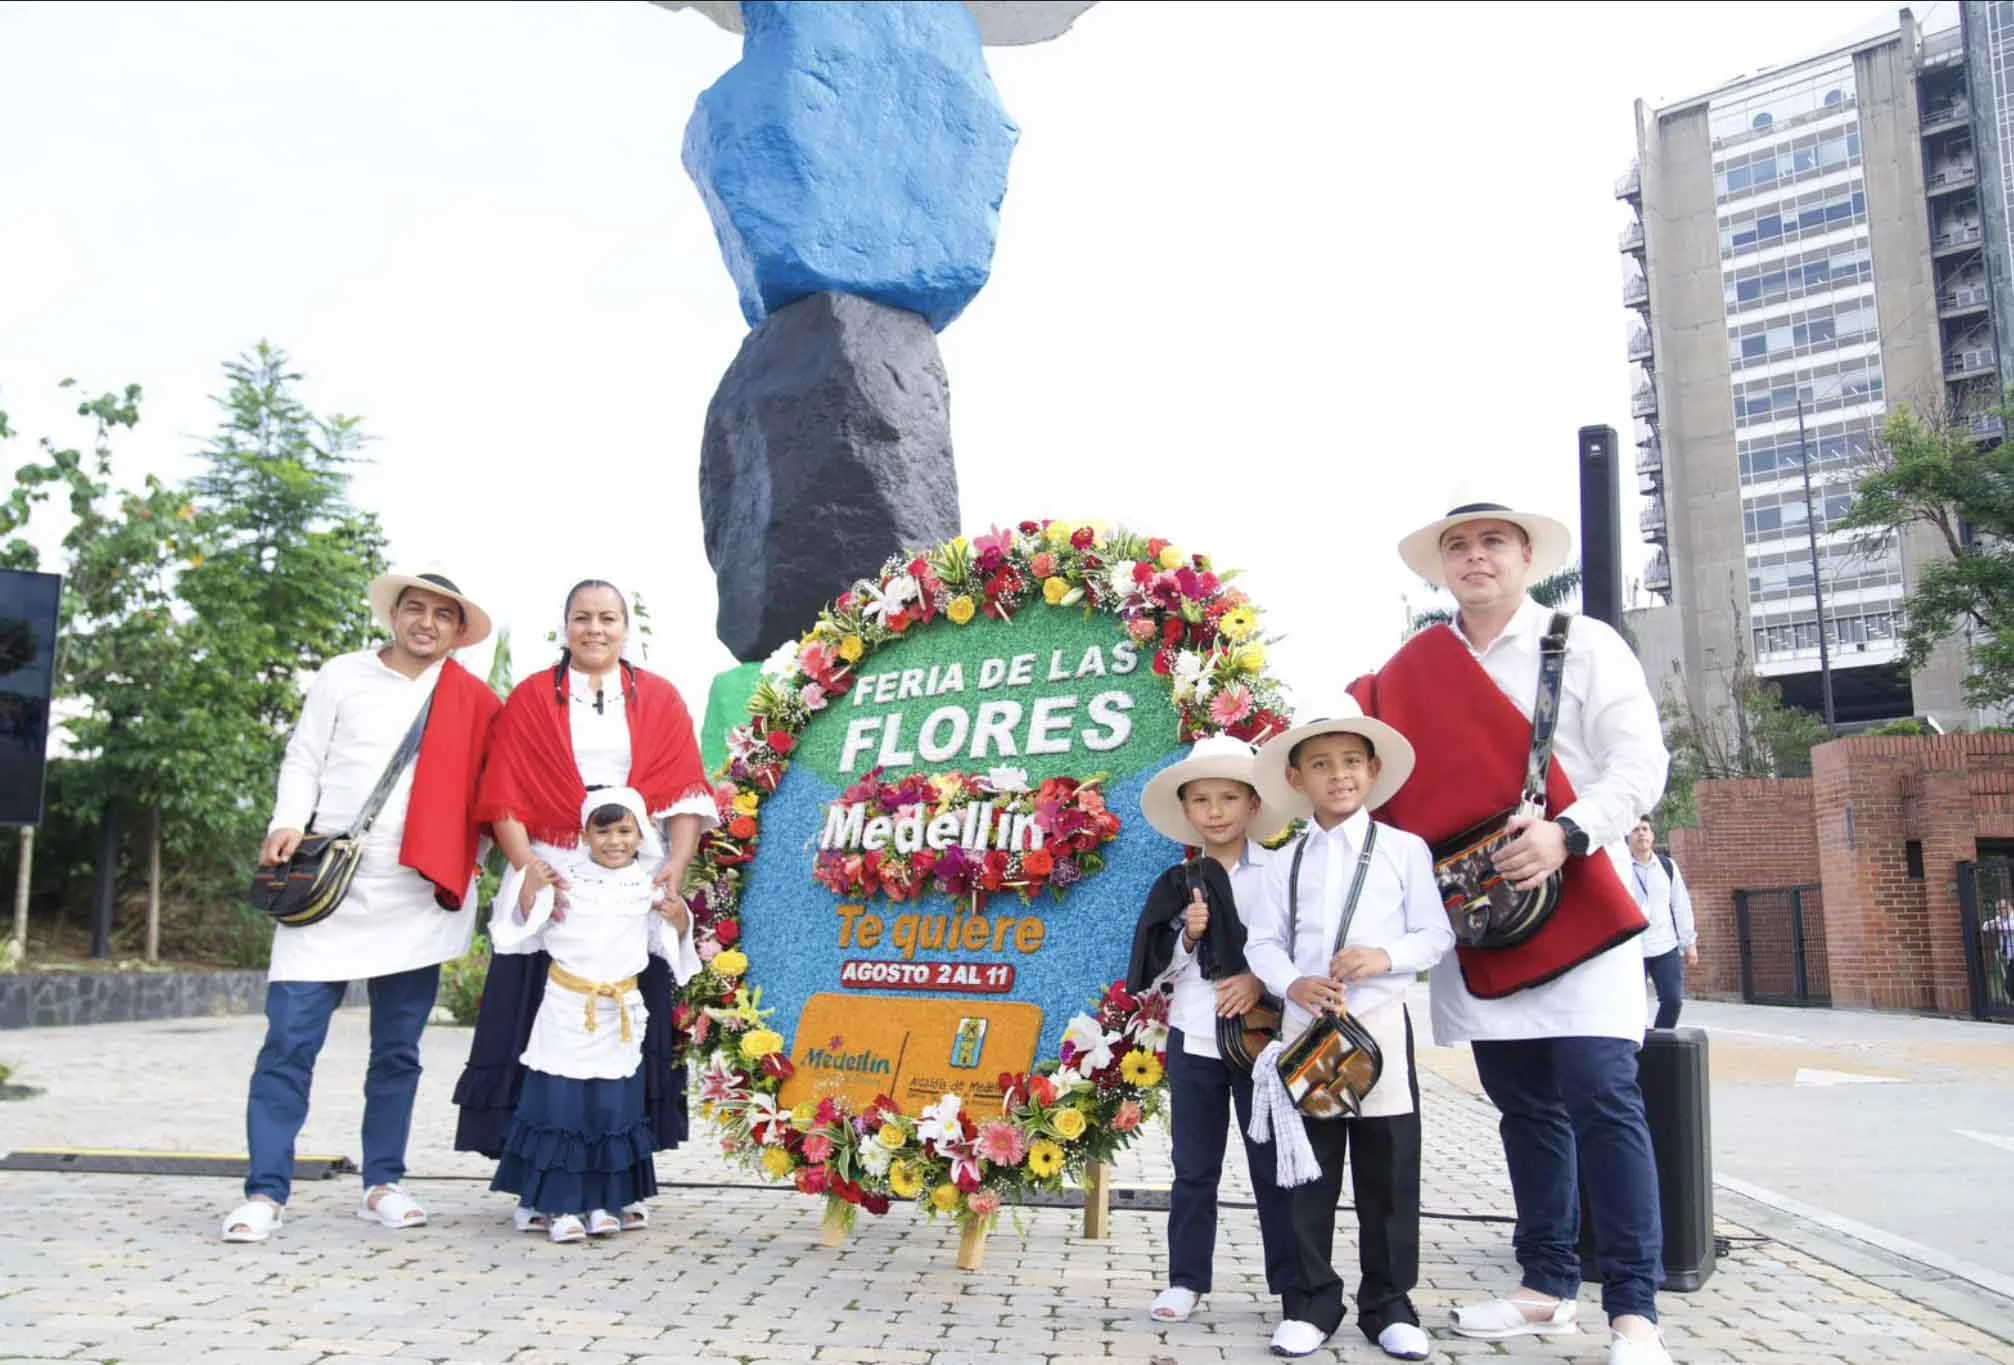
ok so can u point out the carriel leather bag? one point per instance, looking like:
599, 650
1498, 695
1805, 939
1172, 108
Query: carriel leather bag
1331, 1068
307, 888
1485, 910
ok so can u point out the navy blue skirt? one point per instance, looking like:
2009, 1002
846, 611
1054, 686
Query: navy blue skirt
489, 1088
575, 1146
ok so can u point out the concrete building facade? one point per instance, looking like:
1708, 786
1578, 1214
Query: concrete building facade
1807, 249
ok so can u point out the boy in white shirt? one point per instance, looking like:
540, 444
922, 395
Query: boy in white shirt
1190, 943
1346, 919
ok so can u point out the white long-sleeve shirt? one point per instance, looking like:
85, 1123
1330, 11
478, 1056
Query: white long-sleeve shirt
1193, 1006
1399, 911
1610, 745
356, 712
1666, 904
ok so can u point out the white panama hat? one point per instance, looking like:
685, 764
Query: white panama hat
1392, 749
1551, 542
385, 589
1221, 756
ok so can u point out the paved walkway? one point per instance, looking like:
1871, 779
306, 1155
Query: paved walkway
127, 1268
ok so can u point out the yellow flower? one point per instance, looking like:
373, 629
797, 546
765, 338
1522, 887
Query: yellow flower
1252, 658
1054, 590
731, 963
1141, 1068
777, 1163
1238, 624
891, 1136
905, 1180
944, 1198
961, 610
1059, 533
748, 803
1173, 558
803, 1114
1069, 1124
759, 1043
1045, 1158
851, 648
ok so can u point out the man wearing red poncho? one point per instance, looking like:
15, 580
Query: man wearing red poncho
593, 720
1555, 1021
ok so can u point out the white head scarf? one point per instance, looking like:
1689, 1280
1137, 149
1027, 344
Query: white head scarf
630, 800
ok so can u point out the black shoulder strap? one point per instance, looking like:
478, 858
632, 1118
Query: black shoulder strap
1665, 859
408, 750
1349, 905
1545, 711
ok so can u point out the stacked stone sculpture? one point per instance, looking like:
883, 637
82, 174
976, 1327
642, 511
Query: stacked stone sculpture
853, 163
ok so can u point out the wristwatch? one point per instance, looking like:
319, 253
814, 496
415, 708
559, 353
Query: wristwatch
1578, 845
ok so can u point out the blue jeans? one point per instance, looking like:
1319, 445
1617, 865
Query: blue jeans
1572, 1106
1667, 973
297, 1023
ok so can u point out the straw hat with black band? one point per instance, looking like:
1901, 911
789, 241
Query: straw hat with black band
1393, 751
386, 589
1551, 542
1220, 756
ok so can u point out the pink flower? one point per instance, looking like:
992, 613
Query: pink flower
817, 1147
708, 950
1141, 629
1002, 1144
1128, 1117
983, 1203
1231, 705
813, 697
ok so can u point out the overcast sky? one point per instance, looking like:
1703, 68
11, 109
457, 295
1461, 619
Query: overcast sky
1274, 280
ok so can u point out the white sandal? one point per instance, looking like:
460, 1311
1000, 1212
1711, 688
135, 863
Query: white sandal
394, 1209
1503, 1319
635, 1217
529, 1220
568, 1228
252, 1221
1174, 1304
602, 1223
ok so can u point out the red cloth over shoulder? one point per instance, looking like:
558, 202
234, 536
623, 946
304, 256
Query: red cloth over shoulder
1471, 744
442, 832
532, 776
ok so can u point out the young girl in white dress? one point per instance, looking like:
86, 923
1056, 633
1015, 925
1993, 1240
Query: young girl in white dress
580, 1144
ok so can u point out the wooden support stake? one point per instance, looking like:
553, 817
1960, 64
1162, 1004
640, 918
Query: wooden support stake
972, 1246
1097, 1200
832, 1232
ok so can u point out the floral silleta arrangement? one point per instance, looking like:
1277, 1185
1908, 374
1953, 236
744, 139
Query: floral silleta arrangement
1080, 1107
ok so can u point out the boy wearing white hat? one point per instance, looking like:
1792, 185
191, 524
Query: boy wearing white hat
1190, 942
1346, 919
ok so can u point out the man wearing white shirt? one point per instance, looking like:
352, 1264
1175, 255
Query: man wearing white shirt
1556, 1020
411, 906
1671, 944
1345, 918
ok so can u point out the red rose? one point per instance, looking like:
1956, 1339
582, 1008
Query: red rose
1171, 630
727, 933
876, 1204
1082, 538
1155, 546
1043, 1089
1038, 862
1143, 574
743, 827
919, 568
1031, 528
813, 1179
782, 741
898, 623
1164, 661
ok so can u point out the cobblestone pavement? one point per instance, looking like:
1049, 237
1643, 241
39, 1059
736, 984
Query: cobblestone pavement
127, 1268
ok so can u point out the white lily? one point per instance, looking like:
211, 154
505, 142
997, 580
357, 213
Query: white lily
1093, 1044
939, 1122
1008, 779
782, 661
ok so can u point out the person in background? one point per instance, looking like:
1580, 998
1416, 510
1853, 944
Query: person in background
1671, 944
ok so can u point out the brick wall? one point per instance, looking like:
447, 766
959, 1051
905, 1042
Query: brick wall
1878, 936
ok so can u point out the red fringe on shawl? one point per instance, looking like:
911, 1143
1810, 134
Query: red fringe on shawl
1471, 743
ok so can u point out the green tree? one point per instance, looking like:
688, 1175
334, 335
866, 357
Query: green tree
1935, 472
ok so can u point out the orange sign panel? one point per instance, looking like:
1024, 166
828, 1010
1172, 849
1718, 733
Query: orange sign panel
914, 1051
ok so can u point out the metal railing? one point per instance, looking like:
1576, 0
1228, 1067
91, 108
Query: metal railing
1650, 459
1963, 173
1643, 402
1958, 236
1657, 574
1964, 362
1635, 290
1651, 518
1631, 238
1630, 183
1638, 346
1947, 113
1968, 296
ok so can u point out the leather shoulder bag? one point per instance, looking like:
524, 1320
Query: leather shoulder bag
1485, 910
308, 887
1332, 1066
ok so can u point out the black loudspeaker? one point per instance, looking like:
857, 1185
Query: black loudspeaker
28, 616
1672, 1070
1600, 527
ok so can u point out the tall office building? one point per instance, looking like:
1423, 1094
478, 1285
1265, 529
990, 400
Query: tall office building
1808, 249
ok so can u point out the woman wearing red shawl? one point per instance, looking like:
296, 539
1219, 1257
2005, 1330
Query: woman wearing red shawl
593, 720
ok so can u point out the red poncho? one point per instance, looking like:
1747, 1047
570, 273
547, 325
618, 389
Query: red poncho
1471, 744
533, 777
441, 826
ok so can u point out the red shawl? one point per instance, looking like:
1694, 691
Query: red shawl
1471, 744
533, 777
441, 828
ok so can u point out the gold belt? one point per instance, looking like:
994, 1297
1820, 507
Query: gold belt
595, 990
